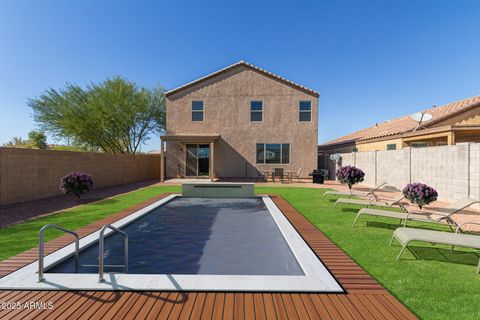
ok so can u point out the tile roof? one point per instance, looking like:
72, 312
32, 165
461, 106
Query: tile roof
250, 66
406, 123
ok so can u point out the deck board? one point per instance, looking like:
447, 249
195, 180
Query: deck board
365, 298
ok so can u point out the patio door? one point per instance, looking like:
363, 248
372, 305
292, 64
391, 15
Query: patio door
197, 160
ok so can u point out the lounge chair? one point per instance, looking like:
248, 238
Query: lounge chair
405, 235
439, 215
369, 194
396, 201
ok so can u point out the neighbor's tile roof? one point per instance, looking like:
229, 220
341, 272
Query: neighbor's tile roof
250, 66
406, 123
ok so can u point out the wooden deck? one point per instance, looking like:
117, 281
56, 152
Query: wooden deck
365, 298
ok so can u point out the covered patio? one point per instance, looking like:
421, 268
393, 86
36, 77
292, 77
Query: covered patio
193, 145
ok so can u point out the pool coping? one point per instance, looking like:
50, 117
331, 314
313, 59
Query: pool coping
364, 297
316, 277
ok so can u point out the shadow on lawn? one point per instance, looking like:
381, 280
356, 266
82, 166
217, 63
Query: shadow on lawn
442, 255
383, 225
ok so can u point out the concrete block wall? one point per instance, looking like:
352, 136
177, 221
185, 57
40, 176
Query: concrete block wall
454, 171
29, 174
393, 167
474, 171
367, 162
446, 168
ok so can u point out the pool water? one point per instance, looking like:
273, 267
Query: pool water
213, 236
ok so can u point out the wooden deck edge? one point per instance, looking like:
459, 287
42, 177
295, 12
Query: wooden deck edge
364, 298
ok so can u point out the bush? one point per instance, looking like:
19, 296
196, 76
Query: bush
76, 183
420, 194
350, 175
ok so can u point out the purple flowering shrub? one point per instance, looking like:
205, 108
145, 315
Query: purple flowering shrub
350, 175
420, 194
76, 183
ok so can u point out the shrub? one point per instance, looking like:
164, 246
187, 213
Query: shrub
350, 175
420, 194
76, 183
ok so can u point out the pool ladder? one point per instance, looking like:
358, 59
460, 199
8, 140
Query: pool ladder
101, 251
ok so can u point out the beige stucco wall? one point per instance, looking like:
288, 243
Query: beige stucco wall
379, 145
227, 112
471, 117
28, 174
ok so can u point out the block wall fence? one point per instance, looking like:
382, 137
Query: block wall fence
29, 174
454, 171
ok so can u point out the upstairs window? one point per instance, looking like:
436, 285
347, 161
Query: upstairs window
273, 153
305, 111
197, 110
256, 111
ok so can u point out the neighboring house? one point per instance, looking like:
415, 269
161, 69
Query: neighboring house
450, 124
237, 122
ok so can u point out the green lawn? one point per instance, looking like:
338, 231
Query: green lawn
440, 286
24, 236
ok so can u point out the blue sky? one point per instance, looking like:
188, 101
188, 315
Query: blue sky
370, 60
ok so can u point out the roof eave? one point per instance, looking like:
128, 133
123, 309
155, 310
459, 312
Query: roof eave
250, 66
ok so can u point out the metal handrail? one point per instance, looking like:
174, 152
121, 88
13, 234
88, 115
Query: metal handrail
41, 247
101, 250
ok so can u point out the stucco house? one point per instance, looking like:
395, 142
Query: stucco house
237, 122
451, 123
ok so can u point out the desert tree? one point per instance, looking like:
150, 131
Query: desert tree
115, 116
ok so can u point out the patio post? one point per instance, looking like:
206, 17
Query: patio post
162, 161
212, 161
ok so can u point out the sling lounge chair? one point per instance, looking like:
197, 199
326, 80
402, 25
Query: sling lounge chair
396, 201
405, 235
439, 215
369, 194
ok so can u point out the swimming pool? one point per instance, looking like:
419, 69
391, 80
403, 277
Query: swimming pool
194, 244
196, 236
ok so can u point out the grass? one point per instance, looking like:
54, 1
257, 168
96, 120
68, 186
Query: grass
440, 285
23, 236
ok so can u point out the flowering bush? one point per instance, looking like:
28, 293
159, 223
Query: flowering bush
420, 194
350, 175
76, 183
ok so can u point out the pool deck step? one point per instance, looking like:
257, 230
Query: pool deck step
365, 297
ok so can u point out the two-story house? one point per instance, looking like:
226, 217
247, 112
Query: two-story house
237, 122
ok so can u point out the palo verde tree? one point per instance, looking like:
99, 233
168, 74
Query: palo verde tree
115, 116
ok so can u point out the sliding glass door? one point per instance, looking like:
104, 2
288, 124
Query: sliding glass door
197, 160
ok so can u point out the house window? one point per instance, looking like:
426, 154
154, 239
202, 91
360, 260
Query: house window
391, 146
305, 111
273, 153
355, 149
256, 111
197, 110
419, 144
